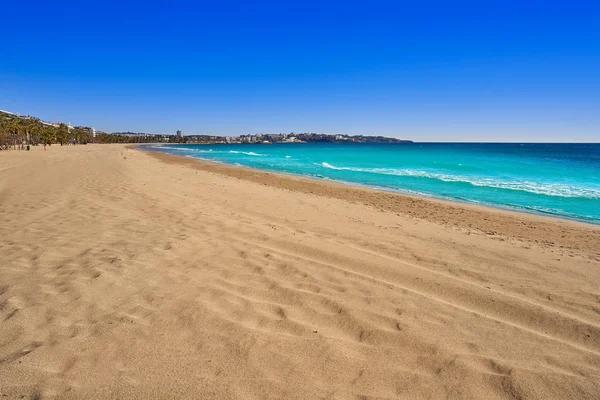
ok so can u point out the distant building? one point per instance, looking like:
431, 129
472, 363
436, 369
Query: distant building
90, 131
180, 134
54, 124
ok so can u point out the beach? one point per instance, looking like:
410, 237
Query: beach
553, 179
133, 274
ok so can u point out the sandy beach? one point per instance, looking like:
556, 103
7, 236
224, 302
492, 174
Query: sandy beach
130, 274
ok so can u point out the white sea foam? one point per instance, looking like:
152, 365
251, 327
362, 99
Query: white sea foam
248, 153
548, 189
187, 149
175, 148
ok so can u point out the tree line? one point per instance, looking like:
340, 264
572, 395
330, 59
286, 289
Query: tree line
16, 132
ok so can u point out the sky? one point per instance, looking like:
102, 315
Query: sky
426, 71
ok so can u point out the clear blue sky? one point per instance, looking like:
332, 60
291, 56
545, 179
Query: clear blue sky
447, 71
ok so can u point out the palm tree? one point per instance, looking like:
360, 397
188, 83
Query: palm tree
62, 133
4, 132
78, 134
14, 127
22, 129
33, 128
48, 134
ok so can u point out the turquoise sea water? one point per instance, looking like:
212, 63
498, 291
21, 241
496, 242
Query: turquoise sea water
557, 179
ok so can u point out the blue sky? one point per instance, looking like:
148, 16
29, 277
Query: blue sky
432, 71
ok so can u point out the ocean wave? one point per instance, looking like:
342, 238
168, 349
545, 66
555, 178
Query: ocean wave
548, 189
167, 148
248, 153
196, 150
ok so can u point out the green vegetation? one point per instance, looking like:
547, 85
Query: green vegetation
17, 131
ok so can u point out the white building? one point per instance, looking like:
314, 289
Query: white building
54, 124
180, 134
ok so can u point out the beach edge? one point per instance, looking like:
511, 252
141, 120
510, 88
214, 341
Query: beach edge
501, 223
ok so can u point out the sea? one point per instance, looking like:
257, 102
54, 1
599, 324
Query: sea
555, 179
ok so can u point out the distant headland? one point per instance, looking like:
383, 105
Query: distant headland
18, 130
259, 138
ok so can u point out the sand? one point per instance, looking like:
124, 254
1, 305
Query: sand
125, 274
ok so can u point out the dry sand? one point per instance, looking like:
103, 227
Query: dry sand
125, 274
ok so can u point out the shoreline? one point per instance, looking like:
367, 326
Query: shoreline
490, 206
495, 221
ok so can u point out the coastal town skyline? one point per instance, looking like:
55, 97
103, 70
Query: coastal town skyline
179, 136
26, 129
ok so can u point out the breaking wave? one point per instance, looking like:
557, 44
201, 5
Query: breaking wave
248, 153
548, 189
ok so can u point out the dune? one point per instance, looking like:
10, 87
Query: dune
130, 274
